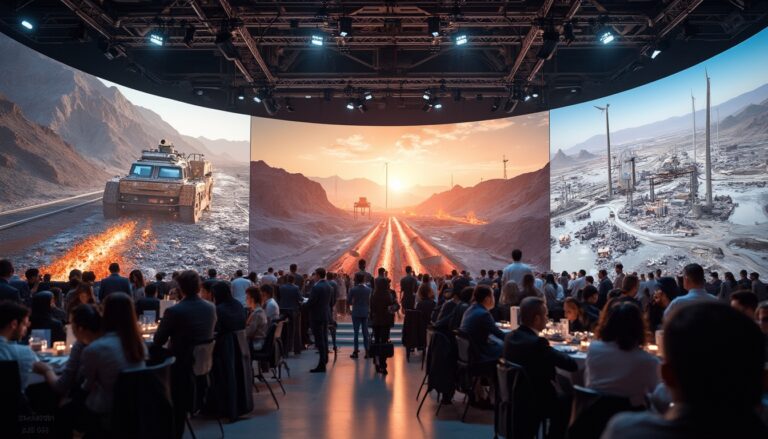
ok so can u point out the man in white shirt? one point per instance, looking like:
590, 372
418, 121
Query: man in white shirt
271, 308
239, 285
14, 322
516, 270
578, 283
269, 277
695, 283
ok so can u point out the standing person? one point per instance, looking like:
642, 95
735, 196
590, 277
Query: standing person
744, 283
7, 292
713, 286
83, 294
758, 287
290, 306
564, 280
269, 277
359, 298
239, 285
186, 324
298, 279
161, 286
516, 270
136, 278
318, 305
149, 302
577, 284
618, 281
408, 286
694, 283
368, 276
230, 313
728, 286
114, 283
604, 286
382, 317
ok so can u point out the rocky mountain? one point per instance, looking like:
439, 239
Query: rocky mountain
98, 121
749, 122
238, 151
517, 211
344, 192
585, 155
38, 157
560, 159
673, 124
277, 193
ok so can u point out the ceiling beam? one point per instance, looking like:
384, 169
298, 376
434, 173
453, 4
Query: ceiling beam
533, 32
245, 35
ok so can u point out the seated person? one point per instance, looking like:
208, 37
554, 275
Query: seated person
256, 325
14, 323
230, 313
149, 302
666, 292
479, 326
694, 283
42, 317
715, 396
616, 363
745, 301
449, 317
578, 320
524, 347
590, 295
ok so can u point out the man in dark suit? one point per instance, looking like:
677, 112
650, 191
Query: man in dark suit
7, 292
161, 286
478, 324
604, 287
186, 324
114, 283
290, 305
367, 276
149, 302
408, 286
298, 279
524, 347
318, 305
758, 287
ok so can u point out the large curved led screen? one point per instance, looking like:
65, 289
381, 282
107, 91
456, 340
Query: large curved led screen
437, 198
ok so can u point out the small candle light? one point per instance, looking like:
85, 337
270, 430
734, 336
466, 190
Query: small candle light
584, 345
652, 348
59, 347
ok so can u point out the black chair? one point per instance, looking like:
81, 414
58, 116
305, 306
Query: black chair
142, 406
414, 332
440, 379
264, 359
591, 412
279, 362
202, 355
12, 402
470, 369
513, 415
230, 395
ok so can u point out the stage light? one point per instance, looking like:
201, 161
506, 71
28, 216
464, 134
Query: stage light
157, 38
433, 26
350, 104
527, 98
345, 26
437, 104
573, 90
317, 40
605, 35
307, 97
368, 95
26, 24
257, 99
360, 105
189, 36
427, 95
535, 95
240, 95
496, 104
199, 91
461, 40
655, 53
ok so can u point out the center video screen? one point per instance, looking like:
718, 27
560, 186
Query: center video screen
437, 198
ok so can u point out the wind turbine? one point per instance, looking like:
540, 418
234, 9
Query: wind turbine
693, 113
608, 142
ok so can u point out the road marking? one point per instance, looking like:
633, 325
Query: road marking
48, 203
43, 215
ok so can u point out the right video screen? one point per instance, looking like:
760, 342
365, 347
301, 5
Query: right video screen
668, 173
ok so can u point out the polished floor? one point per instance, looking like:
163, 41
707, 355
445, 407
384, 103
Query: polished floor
351, 401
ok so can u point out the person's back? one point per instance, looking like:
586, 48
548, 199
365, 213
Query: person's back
477, 323
628, 373
102, 361
693, 281
360, 300
148, 304
516, 270
381, 300
239, 285
426, 307
8, 292
408, 286
319, 301
290, 297
114, 283
230, 316
715, 396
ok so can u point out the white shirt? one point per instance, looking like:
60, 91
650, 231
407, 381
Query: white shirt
268, 279
22, 354
694, 295
578, 283
515, 272
613, 371
239, 286
272, 309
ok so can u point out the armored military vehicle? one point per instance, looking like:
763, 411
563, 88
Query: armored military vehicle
162, 180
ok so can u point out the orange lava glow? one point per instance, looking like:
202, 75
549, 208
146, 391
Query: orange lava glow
96, 252
469, 218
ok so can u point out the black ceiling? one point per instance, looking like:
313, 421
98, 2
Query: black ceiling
249, 48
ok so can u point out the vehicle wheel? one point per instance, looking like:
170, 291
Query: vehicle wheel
187, 214
111, 211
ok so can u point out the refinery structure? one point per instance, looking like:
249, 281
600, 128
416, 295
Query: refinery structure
660, 202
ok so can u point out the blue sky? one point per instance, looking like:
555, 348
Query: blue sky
734, 72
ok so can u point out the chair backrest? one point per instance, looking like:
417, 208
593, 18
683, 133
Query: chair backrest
203, 358
277, 351
142, 405
464, 348
515, 416
279, 328
11, 400
592, 410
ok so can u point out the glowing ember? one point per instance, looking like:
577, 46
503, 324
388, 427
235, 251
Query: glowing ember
469, 218
95, 253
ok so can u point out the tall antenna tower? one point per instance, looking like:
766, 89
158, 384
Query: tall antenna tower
608, 143
505, 160
693, 114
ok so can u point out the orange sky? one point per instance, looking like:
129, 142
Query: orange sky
421, 155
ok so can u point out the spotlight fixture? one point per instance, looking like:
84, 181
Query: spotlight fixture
436, 104
199, 91
427, 95
350, 104
433, 26
240, 95
27, 24
655, 53
307, 96
568, 34
261, 94
496, 104
535, 95
317, 40
606, 35
257, 99
157, 38
345, 26
112, 51
461, 39
527, 98
368, 95
189, 35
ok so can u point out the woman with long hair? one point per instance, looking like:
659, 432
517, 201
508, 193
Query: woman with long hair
256, 325
136, 278
578, 319
120, 348
82, 295
616, 362
426, 300
230, 313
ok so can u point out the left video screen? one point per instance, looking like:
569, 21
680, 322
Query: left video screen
92, 173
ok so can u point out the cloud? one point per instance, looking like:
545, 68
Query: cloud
348, 147
413, 144
461, 131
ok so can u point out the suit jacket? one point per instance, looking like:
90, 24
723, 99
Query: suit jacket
381, 300
114, 283
760, 289
604, 287
7, 292
148, 304
298, 280
319, 302
230, 317
188, 323
359, 297
524, 347
368, 277
290, 297
409, 284
444, 316
25, 293
381, 283
478, 324
426, 308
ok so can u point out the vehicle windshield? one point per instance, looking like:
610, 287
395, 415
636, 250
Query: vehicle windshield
168, 172
144, 171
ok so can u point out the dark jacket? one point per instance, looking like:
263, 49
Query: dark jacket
319, 302
408, 286
290, 297
426, 307
359, 297
7, 292
25, 293
381, 283
381, 300
478, 324
42, 317
148, 304
114, 283
524, 347
444, 316
230, 316
188, 323
603, 288
368, 277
